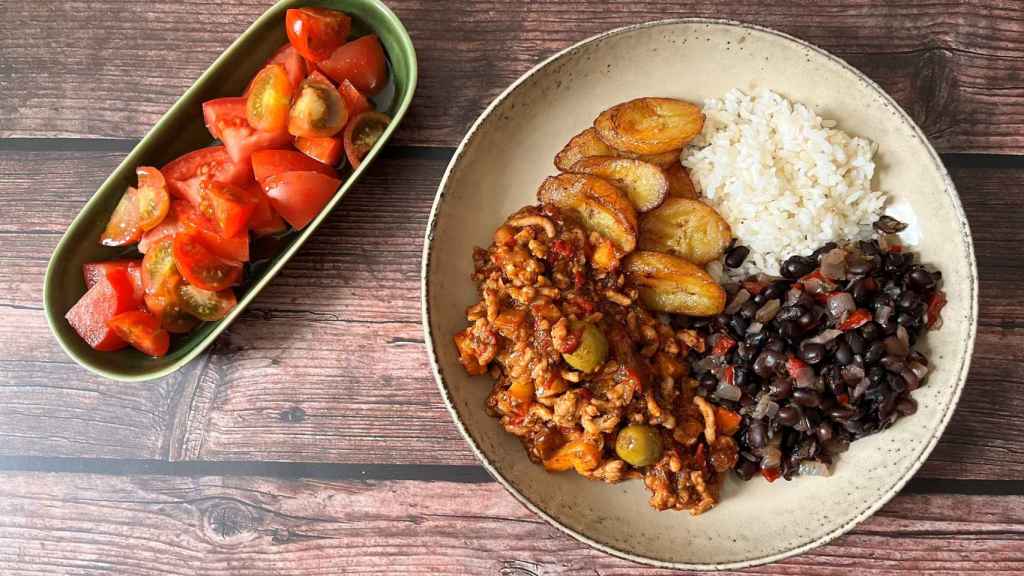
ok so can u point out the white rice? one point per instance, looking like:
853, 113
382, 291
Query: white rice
785, 180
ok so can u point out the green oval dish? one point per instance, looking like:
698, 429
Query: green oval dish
181, 130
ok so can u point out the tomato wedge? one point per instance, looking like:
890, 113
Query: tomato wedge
299, 196
294, 64
226, 120
185, 174
354, 99
264, 220
139, 209
270, 97
228, 206
267, 163
184, 217
362, 133
316, 32
142, 330
318, 110
204, 304
326, 150
201, 266
362, 61
111, 295
96, 271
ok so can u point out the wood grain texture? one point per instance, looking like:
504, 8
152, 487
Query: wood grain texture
329, 366
215, 526
112, 67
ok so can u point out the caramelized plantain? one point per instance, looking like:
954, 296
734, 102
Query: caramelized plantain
686, 228
670, 284
644, 183
679, 182
599, 204
649, 125
583, 145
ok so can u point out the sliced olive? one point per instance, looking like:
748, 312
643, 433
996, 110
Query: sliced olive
592, 351
639, 445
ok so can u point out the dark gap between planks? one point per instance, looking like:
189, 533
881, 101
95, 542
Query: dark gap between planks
387, 472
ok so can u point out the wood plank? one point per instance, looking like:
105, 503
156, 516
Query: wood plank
112, 67
56, 524
329, 365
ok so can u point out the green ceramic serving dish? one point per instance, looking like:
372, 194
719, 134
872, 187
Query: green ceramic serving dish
181, 130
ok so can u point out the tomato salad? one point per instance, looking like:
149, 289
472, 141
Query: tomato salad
274, 170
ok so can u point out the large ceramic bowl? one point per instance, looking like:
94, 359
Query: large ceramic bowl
497, 169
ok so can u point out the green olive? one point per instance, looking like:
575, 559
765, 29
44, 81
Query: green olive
639, 445
593, 348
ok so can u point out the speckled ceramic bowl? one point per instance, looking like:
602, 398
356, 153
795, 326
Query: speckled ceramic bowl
508, 152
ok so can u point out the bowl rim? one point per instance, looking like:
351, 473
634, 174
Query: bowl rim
54, 318
867, 511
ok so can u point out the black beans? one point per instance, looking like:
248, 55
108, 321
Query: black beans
920, 279
768, 362
860, 292
889, 225
747, 469
775, 290
775, 344
861, 267
749, 309
806, 397
907, 301
824, 432
843, 353
780, 388
812, 353
736, 255
789, 313
740, 376
906, 406
875, 352
855, 341
871, 331
788, 415
797, 266
789, 329
756, 434
738, 324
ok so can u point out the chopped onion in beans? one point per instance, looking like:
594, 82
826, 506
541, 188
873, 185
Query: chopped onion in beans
727, 391
895, 346
793, 296
813, 468
825, 337
765, 407
768, 311
852, 374
833, 264
861, 388
882, 314
738, 301
920, 370
840, 305
755, 328
908, 375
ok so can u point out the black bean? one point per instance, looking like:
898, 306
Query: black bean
789, 330
842, 413
889, 225
921, 280
736, 255
874, 353
860, 292
806, 397
906, 406
780, 388
805, 300
882, 300
721, 322
811, 352
747, 469
788, 415
877, 375
870, 331
907, 320
776, 290
856, 342
740, 376
756, 434
749, 309
767, 362
759, 299
861, 267
755, 340
738, 324
797, 266
907, 301
843, 353
708, 382
807, 320
775, 344
888, 327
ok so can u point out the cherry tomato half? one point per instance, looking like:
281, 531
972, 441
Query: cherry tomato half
362, 133
183, 216
270, 97
159, 275
294, 64
204, 304
226, 120
228, 206
185, 174
166, 306
318, 110
264, 220
152, 198
299, 196
201, 266
267, 163
326, 150
142, 330
316, 32
361, 61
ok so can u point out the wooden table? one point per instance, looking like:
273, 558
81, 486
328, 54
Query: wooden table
311, 440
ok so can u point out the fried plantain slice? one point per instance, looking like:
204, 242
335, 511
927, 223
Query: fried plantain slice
649, 125
599, 204
686, 228
670, 284
644, 183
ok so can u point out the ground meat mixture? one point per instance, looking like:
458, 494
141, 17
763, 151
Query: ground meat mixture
585, 376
